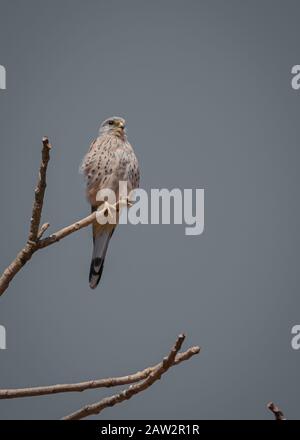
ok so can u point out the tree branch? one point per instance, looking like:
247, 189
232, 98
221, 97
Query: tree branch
278, 414
93, 384
35, 241
31, 246
42, 230
64, 232
154, 375
142, 379
39, 193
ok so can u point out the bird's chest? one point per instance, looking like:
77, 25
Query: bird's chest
123, 170
117, 169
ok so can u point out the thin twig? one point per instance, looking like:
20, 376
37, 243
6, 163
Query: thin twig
68, 230
278, 414
31, 246
42, 230
154, 376
39, 193
64, 232
93, 384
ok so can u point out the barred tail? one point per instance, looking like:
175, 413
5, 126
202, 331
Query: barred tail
101, 241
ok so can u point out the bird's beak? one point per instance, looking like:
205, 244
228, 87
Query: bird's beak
121, 125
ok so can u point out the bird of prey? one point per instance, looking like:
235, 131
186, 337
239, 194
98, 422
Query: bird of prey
109, 160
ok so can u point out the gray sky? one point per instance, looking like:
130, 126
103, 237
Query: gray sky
205, 89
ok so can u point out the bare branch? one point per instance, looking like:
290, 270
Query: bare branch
155, 375
42, 230
35, 241
278, 414
31, 246
93, 384
39, 193
64, 232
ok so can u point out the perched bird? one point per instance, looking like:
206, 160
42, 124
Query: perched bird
109, 160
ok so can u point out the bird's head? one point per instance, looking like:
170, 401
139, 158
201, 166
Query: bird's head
114, 126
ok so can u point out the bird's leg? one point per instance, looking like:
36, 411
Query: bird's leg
130, 203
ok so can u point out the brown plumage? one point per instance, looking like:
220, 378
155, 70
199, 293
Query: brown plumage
109, 160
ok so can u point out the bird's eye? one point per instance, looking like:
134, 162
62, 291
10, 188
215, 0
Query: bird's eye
110, 122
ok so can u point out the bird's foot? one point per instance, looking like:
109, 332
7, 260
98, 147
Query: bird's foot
126, 201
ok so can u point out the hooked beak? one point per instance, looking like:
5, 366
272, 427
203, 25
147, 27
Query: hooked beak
120, 128
121, 125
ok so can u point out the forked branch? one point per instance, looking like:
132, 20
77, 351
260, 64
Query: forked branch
142, 380
153, 376
92, 384
35, 240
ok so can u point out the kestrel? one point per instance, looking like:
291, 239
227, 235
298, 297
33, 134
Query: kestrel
109, 160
